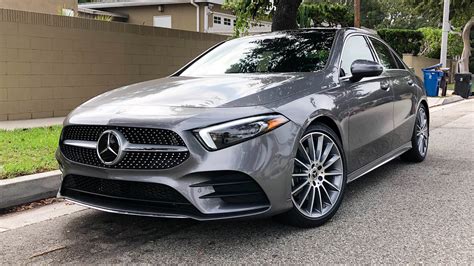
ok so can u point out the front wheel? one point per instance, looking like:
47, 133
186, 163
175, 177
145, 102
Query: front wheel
318, 179
420, 138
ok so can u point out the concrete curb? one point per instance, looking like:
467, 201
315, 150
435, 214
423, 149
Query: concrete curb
436, 101
452, 99
25, 189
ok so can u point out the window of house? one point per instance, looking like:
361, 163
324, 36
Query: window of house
385, 55
227, 21
355, 48
162, 21
217, 20
67, 12
235, 22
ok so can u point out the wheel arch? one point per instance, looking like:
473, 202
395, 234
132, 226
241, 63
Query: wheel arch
425, 104
328, 121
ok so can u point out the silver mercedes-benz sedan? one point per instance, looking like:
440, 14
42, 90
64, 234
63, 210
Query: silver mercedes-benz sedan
268, 125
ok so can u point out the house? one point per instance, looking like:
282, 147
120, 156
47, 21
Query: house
191, 15
54, 7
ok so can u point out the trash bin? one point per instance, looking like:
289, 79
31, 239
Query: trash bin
463, 84
432, 78
443, 85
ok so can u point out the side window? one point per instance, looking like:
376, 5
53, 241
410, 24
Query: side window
399, 62
385, 55
355, 48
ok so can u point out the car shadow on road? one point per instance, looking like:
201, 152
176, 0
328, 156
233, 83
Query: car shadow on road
108, 234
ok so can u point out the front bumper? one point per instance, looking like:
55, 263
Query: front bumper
267, 160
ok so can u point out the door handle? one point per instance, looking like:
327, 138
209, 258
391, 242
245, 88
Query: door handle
385, 86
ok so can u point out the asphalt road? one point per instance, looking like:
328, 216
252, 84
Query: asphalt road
399, 213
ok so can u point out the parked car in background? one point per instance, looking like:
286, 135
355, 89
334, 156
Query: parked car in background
269, 125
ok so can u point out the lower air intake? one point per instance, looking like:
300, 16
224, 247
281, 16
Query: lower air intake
233, 188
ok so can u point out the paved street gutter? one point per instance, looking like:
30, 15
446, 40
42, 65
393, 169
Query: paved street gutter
438, 101
25, 189
17, 220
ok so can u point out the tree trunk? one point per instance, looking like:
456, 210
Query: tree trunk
357, 14
285, 15
466, 34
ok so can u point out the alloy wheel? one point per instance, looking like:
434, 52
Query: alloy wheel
422, 133
318, 175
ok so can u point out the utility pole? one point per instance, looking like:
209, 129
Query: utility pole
357, 13
444, 37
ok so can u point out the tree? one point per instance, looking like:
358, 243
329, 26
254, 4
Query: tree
399, 15
247, 11
466, 52
461, 13
283, 13
373, 12
284, 17
321, 14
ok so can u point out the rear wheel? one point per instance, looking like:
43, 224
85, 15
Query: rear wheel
318, 178
420, 138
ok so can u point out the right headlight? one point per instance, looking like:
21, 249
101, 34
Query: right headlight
233, 132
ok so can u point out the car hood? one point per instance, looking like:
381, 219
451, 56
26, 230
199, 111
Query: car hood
197, 100
199, 92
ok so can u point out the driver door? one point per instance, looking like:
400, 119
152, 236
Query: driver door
370, 107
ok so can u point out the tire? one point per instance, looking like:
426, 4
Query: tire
419, 139
317, 201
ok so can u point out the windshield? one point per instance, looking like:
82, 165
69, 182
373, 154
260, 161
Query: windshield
306, 51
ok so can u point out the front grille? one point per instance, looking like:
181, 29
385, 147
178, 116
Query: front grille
134, 135
233, 188
131, 160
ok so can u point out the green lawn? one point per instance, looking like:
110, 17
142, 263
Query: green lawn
28, 151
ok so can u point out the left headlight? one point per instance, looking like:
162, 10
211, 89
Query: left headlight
233, 132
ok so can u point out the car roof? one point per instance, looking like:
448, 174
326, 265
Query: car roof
347, 30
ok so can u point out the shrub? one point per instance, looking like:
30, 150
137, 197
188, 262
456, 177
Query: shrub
403, 41
424, 41
431, 46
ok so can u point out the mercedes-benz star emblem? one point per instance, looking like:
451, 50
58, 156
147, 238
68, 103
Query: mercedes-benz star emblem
110, 147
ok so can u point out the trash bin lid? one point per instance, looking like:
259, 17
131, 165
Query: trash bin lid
433, 67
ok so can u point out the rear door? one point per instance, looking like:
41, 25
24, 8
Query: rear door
403, 87
370, 107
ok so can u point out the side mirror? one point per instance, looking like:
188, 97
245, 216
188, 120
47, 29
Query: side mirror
364, 68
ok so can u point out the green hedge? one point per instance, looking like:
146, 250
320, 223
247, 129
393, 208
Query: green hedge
403, 41
432, 43
424, 41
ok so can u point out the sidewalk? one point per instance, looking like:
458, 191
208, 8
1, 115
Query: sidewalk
31, 123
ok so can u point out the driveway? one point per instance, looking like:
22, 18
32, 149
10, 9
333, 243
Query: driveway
399, 213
